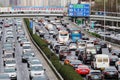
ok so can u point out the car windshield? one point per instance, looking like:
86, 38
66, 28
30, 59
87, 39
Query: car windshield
111, 69
82, 66
4, 76
27, 55
26, 47
8, 48
10, 62
36, 68
7, 45
95, 73
9, 70
76, 62
35, 62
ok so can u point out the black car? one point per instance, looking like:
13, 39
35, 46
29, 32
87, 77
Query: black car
116, 52
95, 75
113, 59
110, 72
103, 44
99, 49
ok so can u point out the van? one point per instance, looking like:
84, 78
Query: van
101, 61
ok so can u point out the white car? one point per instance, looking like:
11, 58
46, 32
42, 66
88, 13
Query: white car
34, 63
72, 46
10, 63
11, 71
26, 47
36, 71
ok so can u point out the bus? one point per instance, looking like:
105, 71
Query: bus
63, 36
101, 61
76, 35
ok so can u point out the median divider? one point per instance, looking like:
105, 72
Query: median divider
63, 72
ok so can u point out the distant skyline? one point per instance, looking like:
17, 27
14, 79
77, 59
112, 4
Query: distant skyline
6, 3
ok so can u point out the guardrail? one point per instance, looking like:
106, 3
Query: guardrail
45, 57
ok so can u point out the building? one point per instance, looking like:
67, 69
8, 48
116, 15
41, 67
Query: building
12, 2
6, 3
54, 2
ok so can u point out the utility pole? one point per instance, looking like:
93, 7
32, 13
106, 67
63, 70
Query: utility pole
104, 18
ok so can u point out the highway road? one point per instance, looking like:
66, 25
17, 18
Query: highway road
90, 36
49, 71
21, 68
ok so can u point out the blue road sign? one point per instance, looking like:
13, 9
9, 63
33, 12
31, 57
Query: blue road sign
76, 10
31, 24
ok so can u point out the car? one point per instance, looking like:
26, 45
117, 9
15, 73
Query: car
10, 63
36, 71
63, 53
72, 46
4, 76
34, 62
82, 70
75, 63
8, 47
117, 65
22, 41
113, 59
103, 44
110, 72
11, 71
98, 49
95, 75
10, 39
7, 56
116, 52
26, 47
68, 58
26, 56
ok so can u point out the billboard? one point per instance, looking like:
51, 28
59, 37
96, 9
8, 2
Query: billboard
79, 10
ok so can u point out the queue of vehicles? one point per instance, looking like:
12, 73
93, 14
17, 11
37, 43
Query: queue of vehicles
88, 56
10, 28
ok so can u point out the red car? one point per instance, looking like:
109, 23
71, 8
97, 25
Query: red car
83, 70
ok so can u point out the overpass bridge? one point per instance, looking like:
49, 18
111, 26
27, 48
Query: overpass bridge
32, 15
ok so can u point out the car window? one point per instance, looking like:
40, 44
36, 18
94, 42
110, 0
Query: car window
105, 60
99, 60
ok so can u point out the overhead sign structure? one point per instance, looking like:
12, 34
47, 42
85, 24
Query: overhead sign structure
79, 10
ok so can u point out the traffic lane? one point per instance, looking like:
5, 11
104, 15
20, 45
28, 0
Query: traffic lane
22, 70
51, 75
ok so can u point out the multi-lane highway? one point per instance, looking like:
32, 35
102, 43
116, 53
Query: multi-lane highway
47, 32
16, 46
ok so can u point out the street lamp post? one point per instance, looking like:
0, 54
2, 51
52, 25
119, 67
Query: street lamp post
104, 18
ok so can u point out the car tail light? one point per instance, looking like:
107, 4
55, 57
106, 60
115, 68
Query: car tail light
106, 72
116, 72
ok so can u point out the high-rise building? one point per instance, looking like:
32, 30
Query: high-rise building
13, 2
6, 2
54, 2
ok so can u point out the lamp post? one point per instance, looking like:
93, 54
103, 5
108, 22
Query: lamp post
104, 18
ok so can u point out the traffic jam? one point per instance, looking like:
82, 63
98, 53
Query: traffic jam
17, 59
90, 57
